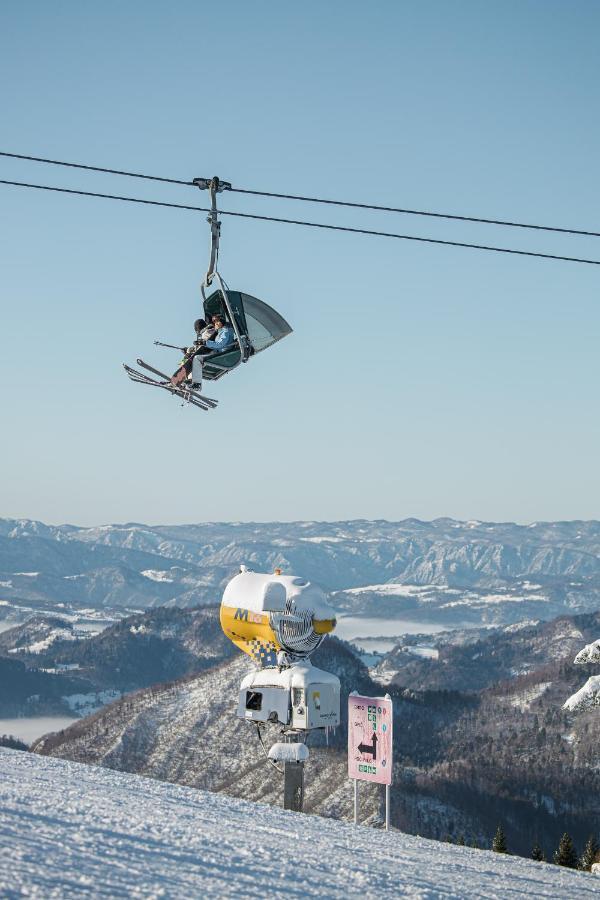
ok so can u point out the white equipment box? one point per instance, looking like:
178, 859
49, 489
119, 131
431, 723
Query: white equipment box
301, 696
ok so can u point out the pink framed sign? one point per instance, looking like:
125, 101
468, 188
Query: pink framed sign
370, 731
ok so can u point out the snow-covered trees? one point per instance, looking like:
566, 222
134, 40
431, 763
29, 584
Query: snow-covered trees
589, 654
588, 695
566, 855
8, 740
537, 853
590, 855
499, 842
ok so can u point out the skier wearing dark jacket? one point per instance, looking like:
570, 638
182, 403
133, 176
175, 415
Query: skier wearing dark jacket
209, 338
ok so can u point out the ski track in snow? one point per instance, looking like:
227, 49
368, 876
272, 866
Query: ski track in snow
71, 831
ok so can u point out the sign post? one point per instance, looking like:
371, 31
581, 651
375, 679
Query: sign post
370, 744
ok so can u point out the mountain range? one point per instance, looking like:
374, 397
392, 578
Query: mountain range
444, 571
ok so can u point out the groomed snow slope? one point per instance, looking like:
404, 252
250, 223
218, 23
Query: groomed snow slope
69, 830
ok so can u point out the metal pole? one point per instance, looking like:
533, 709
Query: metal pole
293, 786
387, 787
387, 807
356, 801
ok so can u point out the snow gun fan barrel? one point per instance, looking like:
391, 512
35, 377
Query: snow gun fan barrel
266, 615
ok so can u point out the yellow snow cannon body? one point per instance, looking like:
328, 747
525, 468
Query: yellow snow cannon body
265, 615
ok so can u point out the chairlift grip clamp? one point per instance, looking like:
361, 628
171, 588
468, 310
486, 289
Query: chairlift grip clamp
204, 184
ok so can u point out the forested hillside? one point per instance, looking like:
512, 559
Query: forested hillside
464, 761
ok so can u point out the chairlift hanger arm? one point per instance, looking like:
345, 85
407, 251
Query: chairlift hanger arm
215, 186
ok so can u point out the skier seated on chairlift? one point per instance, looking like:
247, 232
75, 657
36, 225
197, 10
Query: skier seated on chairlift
209, 339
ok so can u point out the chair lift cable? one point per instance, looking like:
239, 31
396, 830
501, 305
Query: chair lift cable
56, 162
368, 206
322, 225
417, 212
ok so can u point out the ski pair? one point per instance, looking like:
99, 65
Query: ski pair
187, 394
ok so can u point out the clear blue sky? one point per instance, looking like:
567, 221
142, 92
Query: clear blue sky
420, 380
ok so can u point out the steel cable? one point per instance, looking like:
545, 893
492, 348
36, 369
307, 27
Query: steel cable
368, 206
322, 225
70, 165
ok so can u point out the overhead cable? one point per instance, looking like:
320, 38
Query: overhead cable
418, 212
322, 225
367, 206
70, 165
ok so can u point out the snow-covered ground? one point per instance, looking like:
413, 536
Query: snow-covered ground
72, 831
157, 575
56, 634
86, 704
586, 697
589, 654
524, 699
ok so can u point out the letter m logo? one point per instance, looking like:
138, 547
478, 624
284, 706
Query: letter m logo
241, 614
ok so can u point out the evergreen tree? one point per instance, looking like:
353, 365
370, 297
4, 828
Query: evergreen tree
537, 853
566, 855
7, 740
499, 842
461, 840
590, 854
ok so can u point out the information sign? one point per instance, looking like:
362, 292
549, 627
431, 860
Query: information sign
370, 738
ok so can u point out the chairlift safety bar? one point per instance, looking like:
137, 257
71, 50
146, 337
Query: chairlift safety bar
242, 343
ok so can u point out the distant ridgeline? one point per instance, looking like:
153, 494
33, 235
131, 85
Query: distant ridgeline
445, 571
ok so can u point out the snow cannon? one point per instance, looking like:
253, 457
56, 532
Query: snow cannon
276, 619
279, 621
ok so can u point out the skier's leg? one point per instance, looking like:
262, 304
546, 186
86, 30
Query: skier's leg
182, 373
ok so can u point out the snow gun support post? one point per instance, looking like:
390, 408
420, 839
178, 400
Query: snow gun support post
279, 621
292, 754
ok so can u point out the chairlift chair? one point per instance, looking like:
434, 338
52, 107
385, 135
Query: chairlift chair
256, 325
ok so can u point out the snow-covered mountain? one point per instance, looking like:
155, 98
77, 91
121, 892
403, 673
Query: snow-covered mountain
74, 831
475, 659
586, 697
589, 695
447, 571
52, 667
464, 760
